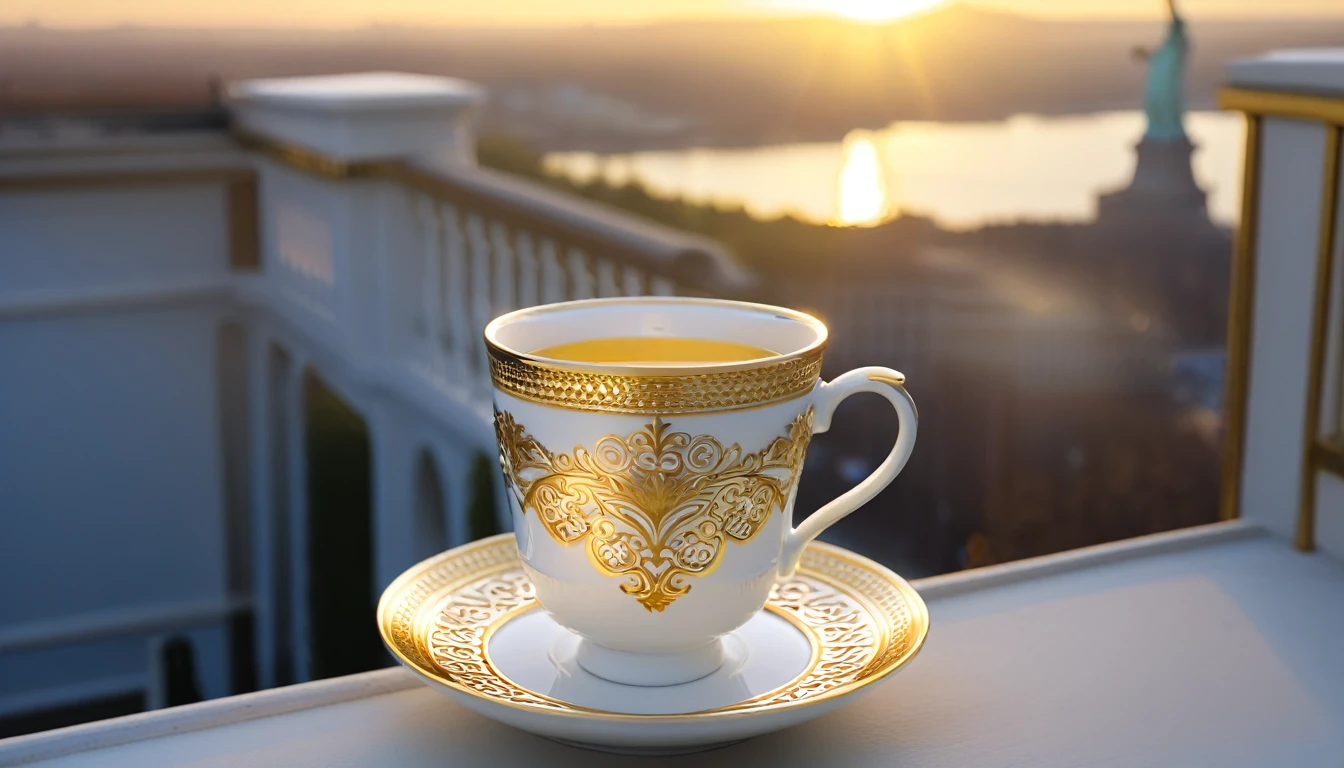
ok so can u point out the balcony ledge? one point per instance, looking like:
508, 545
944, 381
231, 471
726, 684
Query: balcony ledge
1303, 70
1211, 646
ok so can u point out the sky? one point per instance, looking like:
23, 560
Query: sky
356, 13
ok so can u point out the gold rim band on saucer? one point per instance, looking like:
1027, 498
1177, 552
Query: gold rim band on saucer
862, 621
771, 381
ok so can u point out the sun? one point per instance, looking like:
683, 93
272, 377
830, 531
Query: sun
877, 10
862, 198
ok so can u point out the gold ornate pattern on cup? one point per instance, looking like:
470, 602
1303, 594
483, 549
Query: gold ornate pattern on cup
438, 618
770, 382
632, 499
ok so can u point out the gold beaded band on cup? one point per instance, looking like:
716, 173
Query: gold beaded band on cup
771, 381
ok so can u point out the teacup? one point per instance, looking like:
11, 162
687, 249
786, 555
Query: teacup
652, 500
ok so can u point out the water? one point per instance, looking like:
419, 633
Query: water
962, 175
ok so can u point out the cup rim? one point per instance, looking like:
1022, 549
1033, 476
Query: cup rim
498, 348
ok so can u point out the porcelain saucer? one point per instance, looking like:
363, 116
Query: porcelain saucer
468, 623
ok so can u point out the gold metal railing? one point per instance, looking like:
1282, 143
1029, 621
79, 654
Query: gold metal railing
1319, 451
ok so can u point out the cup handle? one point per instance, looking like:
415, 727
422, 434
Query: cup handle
887, 383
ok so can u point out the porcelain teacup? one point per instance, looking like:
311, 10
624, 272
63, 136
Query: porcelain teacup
652, 502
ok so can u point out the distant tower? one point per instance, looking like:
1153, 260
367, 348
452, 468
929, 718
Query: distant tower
1163, 180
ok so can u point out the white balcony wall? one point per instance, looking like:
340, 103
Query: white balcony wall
63, 243
305, 254
379, 253
110, 306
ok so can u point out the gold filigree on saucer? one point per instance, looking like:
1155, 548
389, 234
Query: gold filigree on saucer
862, 621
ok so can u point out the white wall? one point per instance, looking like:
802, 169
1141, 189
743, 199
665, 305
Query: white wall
110, 476
112, 461
60, 241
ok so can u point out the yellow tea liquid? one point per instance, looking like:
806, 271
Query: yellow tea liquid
654, 351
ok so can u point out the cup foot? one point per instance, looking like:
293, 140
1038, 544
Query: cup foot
649, 669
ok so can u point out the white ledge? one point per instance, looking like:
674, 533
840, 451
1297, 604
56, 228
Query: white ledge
361, 116
1308, 70
1209, 646
358, 91
1166, 542
47, 302
207, 714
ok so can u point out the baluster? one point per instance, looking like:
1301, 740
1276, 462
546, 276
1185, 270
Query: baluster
431, 309
662, 286
479, 245
423, 319
552, 273
502, 259
580, 276
632, 280
606, 278
528, 291
457, 328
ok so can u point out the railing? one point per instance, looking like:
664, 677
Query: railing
377, 277
1305, 257
487, 243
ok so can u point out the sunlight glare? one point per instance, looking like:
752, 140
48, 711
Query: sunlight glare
861, 185
878, 10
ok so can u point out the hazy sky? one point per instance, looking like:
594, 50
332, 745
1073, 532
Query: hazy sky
349, 13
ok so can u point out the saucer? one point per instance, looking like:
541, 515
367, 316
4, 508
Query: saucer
468, 623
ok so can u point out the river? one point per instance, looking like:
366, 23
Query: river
962, 175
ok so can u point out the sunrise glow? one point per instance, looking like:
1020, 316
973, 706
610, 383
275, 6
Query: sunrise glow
877, 10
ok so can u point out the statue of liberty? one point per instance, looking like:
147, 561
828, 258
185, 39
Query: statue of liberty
1161, 250
1163, 100
1163, 185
